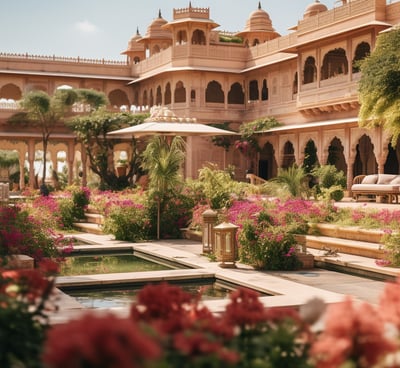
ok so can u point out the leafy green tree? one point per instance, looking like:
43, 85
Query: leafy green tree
379, 86
41, 110
163, 160
92, 130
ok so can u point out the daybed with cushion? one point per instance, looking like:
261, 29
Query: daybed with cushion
378, 185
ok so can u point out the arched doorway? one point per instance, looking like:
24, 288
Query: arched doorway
267, 166
310, 156
336, 155
392, 160
365, 162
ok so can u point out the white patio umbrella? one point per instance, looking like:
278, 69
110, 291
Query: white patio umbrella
163, 122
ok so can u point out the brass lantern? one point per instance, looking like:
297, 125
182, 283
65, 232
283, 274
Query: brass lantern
209, 220
225, 246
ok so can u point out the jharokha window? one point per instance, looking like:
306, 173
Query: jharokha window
310, 71
335, 63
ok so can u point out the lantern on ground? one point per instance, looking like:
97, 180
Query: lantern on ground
209, 220
225, 246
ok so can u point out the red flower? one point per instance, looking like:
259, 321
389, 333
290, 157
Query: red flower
245, 308
98, 341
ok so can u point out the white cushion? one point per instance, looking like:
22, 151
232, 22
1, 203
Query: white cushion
370, 179
385, 178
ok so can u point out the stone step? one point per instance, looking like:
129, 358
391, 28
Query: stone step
94, 218
347, 232
339, 245
90, 228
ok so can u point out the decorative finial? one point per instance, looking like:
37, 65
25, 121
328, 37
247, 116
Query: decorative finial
159, 13
259, 5
137, 31
190, 4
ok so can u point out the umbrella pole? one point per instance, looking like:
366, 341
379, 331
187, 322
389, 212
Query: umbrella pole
158, 219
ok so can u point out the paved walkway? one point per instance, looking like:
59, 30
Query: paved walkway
292, 288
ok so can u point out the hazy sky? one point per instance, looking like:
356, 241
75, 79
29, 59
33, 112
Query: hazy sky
102, 28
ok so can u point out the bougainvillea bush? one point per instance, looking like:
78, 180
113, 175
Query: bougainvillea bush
22, 233
266, 230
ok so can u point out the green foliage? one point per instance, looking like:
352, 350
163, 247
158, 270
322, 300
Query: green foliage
231, 39
163, 161
391, 243
80, 200
218, 187
176, 214
129, 222
66, 208
223, 141
92, 131
9, 159
248, 143
379, 86
265, 245
290, 182
331, 182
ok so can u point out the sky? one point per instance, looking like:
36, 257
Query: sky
101, 29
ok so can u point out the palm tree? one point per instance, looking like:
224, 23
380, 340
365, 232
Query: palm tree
163, 160
44, 111
292, 180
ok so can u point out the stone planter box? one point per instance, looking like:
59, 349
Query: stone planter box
19, 261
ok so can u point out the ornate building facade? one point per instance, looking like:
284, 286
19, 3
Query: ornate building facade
307, 80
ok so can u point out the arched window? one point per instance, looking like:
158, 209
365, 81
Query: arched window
136, 60
363, 50
155, 50
180, 92
253, 90
193, 95
198, 37
255, 42
214, 92
310, 71
335, 63
118, 98
235, 94
288, 155
158, 96
167, 94
264, 91
181, 38
10, 91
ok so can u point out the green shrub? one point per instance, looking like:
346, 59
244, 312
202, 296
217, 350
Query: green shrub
331, 182
66, 209
128, 221
265, 245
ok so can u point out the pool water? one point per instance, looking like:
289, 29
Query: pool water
123, 297
98, 264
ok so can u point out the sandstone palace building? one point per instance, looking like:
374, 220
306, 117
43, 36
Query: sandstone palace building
307, 80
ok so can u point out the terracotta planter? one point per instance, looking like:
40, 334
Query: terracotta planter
306, 259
